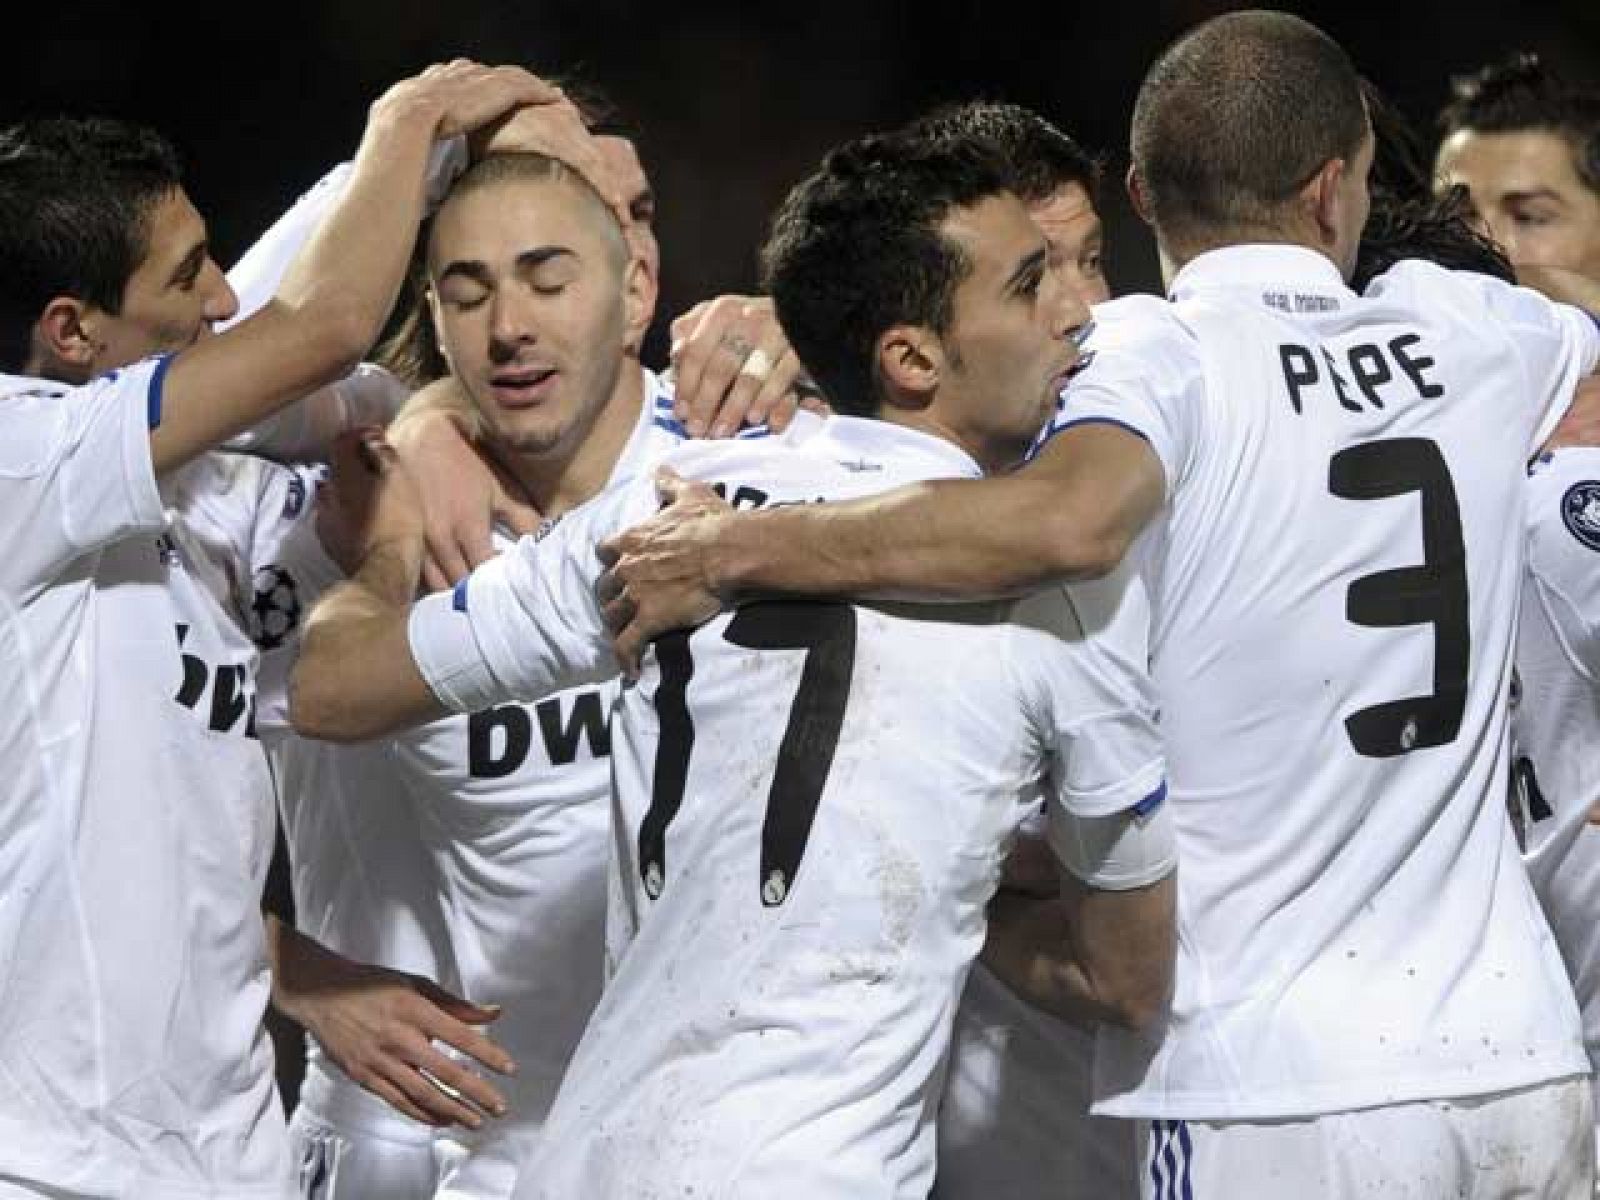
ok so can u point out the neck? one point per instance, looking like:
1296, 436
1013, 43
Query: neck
992, 458
1176, 252
578, 470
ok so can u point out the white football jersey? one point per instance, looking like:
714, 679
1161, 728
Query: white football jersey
1555, 713
472, 849
1334, 592
812, 803
136, 824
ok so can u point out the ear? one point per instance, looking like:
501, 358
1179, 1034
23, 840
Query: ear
1137, 196
909, 361
63, 338
1322, 200
432, 296
639, 291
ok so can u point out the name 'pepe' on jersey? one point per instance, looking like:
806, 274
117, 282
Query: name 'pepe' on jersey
812, 803
1334, 596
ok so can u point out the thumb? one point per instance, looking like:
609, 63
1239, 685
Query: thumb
455, 1006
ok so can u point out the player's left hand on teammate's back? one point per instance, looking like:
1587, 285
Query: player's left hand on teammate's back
1581, 425
658, 577
369, 499
732, 366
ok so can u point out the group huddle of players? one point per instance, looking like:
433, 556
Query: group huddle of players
953, 733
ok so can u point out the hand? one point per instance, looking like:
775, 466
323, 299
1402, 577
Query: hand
658, 576
1581, 425
369, 499
464, 497
379, 1026
556, 130
460, 96
732, 366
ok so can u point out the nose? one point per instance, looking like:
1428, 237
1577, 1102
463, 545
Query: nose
510, 323
1070, 314
221, 301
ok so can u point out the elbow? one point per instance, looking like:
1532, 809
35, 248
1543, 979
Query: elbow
1082, 548
1138, 1007
317, 709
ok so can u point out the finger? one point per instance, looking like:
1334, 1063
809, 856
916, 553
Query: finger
397, 1100
700, 349
432, 577
774, 403
618, 613
710, 397
441, 1107
519, 517
609, 551
607, 588
445, 550
629, 649
461, 1084
438, 1024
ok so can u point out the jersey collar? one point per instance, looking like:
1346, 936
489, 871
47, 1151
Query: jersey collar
26, 385
1257, 265
862, 438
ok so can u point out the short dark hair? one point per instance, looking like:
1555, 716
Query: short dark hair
1434, 228
856, 249
1237, 116
1521, 94
412, 352
1042, 158
76, 200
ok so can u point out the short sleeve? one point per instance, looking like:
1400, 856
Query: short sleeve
76, 471
289, 572
1084, 662
1564, 552
1139, 372
1556, 344
527, 622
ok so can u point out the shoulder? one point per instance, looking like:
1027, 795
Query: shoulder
1139, 337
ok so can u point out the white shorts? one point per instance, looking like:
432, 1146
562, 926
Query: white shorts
1533, 1142
352, 1165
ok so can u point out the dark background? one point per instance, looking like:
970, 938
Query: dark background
736, 102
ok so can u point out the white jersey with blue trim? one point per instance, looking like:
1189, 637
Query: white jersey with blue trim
1334, 591
812, 801
472, 849
136, 824
1555, 714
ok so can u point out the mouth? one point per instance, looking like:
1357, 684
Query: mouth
521, 387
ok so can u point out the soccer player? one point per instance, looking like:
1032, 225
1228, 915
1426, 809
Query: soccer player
1526, 145
1365, 991
1014, 1115
137, 814
490, 829
812, 800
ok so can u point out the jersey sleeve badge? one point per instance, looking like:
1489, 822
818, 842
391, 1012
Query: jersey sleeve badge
1580, 511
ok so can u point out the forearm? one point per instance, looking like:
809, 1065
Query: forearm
1069, 515
356, 678
1030, 953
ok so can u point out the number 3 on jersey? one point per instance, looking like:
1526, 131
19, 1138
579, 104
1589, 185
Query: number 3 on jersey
1433, 592
827, 633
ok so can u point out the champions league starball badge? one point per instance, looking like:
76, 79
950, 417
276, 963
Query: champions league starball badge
275, 611
1580, 509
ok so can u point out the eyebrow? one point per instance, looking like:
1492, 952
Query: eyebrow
529, 260
189, 266
1032, 263
1540, 193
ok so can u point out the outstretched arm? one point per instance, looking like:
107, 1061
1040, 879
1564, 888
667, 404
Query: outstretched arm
1069, 514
